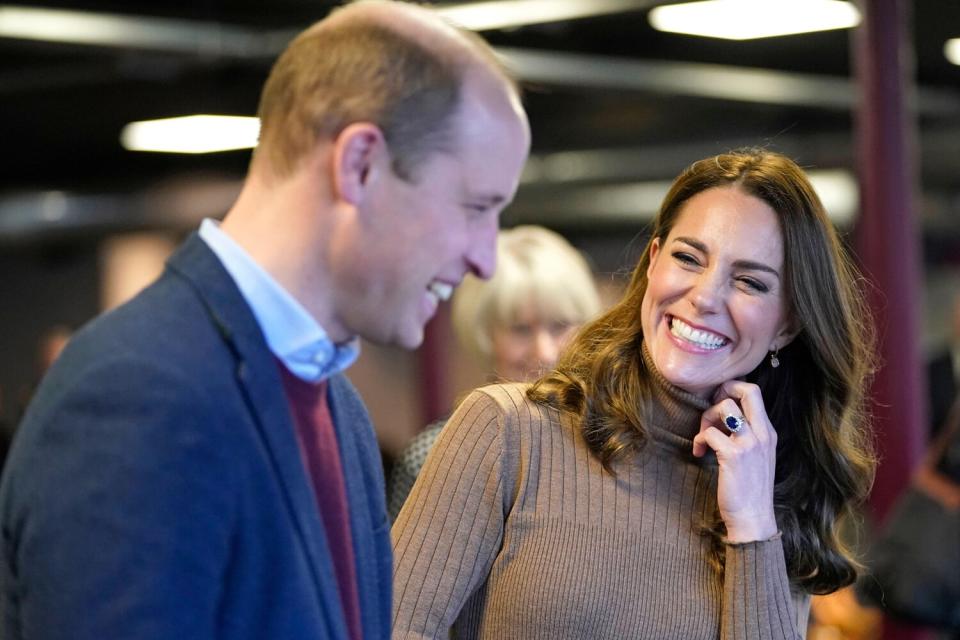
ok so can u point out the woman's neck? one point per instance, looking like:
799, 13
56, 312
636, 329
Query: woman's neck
674, 409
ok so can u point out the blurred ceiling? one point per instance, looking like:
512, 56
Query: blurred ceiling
613, 104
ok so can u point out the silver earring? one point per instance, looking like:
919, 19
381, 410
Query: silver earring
774, 360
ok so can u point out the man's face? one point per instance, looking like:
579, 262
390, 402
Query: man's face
417, 240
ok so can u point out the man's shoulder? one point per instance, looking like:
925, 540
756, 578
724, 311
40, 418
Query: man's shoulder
164, 323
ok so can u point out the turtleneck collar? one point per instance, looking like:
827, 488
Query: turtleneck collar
675, 411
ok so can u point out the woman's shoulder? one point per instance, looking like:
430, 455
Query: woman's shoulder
504, 393
509, 400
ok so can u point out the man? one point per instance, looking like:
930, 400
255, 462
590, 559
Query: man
194, 465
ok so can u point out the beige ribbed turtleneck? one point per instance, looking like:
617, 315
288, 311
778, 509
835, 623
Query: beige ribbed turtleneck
514, 531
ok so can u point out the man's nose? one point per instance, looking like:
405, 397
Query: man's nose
482, 254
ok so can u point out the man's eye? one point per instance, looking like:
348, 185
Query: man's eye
478, 209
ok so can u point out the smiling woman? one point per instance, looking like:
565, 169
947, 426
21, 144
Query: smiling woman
714, 304
682, 470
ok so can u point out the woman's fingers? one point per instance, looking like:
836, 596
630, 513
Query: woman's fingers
750, 400
738, 430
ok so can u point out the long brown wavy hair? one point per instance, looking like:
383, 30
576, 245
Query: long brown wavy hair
815, 399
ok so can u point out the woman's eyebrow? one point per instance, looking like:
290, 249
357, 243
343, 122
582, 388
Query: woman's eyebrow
751, 265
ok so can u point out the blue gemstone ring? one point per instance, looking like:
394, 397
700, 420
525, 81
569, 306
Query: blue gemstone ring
734, 424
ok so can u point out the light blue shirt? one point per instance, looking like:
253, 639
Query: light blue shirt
292, 334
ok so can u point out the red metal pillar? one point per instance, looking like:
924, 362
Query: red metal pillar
888, 244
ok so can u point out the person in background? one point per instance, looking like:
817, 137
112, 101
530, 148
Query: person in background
195, 466
943, 374
681, 473
516, 323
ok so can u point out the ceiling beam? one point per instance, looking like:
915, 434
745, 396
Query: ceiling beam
214, 42
700, 80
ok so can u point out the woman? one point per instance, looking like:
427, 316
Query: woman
514, 324
680, 474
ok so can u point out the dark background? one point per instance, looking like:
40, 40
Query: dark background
613, 102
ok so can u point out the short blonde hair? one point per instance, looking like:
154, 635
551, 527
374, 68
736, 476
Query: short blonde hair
534, 266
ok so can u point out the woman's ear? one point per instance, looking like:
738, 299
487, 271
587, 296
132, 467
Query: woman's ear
654, 252
785, 336
357, 153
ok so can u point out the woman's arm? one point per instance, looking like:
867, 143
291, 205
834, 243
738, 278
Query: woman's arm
758, 603
757, 600
451, 527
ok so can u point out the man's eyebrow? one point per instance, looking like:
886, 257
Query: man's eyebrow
751, 265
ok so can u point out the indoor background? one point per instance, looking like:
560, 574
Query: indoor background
617, 109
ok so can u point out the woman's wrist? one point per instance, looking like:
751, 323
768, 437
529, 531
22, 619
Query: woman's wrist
758, 532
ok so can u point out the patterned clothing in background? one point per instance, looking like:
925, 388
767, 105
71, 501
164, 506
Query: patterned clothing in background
407, 467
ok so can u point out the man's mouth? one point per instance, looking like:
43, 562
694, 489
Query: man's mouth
440, 290
699, 337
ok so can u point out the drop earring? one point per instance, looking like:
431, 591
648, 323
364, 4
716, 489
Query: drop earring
774, 360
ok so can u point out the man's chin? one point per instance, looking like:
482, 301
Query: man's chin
409, 340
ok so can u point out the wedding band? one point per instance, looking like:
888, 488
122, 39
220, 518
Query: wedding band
734, 423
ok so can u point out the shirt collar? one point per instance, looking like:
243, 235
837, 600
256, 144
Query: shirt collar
292, 334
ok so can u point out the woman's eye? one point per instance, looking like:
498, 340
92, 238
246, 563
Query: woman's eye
685, 258
521, 329
754, 285
559, 328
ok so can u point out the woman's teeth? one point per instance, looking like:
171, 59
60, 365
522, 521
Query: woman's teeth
701, 338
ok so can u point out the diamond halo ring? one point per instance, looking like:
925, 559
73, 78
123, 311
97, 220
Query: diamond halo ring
734, 424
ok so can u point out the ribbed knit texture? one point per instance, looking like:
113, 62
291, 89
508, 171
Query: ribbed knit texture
514, 531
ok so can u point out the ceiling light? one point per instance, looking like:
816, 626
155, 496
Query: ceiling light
192, 134
952, 50
127, 31
481, 16
748, 19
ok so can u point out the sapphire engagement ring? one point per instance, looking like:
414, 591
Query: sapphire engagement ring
734, 424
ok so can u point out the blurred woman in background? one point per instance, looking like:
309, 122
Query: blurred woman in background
515, 324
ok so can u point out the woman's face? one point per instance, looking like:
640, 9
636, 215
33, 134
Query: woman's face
529, 345
715, 303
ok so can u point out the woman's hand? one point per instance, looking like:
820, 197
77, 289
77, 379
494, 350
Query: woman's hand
747, 461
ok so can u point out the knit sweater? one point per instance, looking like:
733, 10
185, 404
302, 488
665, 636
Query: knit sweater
515, 531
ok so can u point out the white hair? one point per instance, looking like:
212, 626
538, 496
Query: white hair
535, 266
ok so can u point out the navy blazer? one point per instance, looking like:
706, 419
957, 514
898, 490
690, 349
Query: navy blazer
155, 488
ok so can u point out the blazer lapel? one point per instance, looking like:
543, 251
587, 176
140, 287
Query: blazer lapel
360, 524
262, 388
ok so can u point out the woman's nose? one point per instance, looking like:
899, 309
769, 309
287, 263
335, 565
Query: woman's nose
706, 292
547, 348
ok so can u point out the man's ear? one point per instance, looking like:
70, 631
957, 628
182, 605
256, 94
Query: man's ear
358, 152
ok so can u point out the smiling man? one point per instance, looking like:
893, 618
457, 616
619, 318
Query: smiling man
196, 465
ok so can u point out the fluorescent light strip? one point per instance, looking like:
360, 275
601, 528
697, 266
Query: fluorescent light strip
750, 19
192, 134
127, 31
952, 50
481, 16
188, 36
